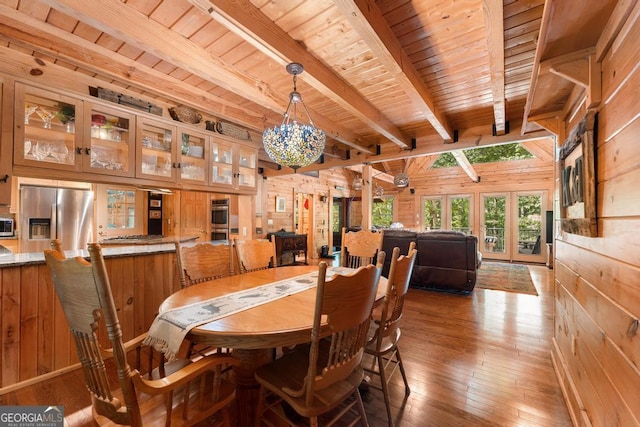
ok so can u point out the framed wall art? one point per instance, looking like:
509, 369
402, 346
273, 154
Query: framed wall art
280, 204
576, 169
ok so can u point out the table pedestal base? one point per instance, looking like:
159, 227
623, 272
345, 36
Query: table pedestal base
247, 388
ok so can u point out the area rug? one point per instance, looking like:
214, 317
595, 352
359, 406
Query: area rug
506, 277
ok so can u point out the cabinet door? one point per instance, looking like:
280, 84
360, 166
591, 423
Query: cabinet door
246, 174
47, 129
221, 163
109, 144
193, 158
156, 150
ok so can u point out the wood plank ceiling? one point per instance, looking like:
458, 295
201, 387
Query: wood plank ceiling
386, 80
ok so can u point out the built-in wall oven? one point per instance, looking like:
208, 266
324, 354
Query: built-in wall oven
220, 219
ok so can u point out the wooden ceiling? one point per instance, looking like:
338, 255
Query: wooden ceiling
386, 80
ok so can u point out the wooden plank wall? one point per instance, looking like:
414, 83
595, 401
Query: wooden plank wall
35, 336
289, 185
520, 175
596, 342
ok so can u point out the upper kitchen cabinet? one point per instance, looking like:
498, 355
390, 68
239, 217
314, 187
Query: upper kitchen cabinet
247, 159
193, 157
156, 150
47, 129
109, 141
233, 164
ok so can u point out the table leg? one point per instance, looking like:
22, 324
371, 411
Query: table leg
246, 386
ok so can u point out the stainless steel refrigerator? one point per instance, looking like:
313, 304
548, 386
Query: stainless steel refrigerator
48, 213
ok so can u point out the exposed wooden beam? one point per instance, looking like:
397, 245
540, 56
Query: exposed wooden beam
433, 146
382, 176
52, 41
542, 149
248, 22
494, 28
126, 23
463, 162
368, 20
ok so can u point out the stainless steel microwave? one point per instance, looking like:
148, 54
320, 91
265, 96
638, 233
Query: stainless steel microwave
6, 227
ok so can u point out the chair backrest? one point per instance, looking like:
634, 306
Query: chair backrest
397, 287
257, 254
85, 295
202, 262
360, 247
346, 302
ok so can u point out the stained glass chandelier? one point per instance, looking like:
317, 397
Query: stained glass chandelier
294, 144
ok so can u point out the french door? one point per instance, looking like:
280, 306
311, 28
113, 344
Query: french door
512, 226
452, 212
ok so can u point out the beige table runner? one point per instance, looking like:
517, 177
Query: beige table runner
169, 329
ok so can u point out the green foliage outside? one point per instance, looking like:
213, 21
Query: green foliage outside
432, 214
497, 153
460, 214
382, 213
495, 219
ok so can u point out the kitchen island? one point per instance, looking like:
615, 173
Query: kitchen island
36, 342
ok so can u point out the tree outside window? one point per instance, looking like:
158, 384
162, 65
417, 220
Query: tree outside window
382, 213
432, 214
121, 209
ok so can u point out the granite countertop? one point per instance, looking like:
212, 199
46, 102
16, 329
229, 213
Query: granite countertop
144, 240
156, 246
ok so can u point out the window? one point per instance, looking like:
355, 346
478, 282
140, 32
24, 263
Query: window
432, 213
382, 213
121, 209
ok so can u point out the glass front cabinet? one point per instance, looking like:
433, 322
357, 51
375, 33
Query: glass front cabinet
56, 131
193, 156
47, 129
233, 164
110, 146
156, 149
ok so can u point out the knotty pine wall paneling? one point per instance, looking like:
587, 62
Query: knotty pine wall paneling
289, 185
596, 342
35, 338
519, 175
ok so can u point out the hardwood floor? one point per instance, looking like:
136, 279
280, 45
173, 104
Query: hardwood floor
477, 360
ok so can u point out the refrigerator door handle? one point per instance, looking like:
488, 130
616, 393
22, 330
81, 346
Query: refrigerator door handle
54, 220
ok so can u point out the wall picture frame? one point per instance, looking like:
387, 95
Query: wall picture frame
576, 169
280, 204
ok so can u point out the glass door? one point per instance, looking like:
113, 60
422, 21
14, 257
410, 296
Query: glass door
432, 213
459, 216
109, 143
528, 246
494, 239
448, 213
193, 156
45, 129
156, 152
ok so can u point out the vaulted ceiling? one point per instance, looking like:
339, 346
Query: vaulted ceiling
386, 80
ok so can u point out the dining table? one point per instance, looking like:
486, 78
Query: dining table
254, 332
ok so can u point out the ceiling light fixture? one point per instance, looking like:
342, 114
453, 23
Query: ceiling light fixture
401, 180
293, 144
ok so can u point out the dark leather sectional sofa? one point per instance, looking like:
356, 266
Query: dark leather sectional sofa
446, 260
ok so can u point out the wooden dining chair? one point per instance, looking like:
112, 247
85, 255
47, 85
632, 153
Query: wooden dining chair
198, 263
257, 254
320, 380
188, 394
202, 262
360, 247
382, 355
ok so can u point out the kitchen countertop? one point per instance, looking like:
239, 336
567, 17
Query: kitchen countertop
143, 240
155, 246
